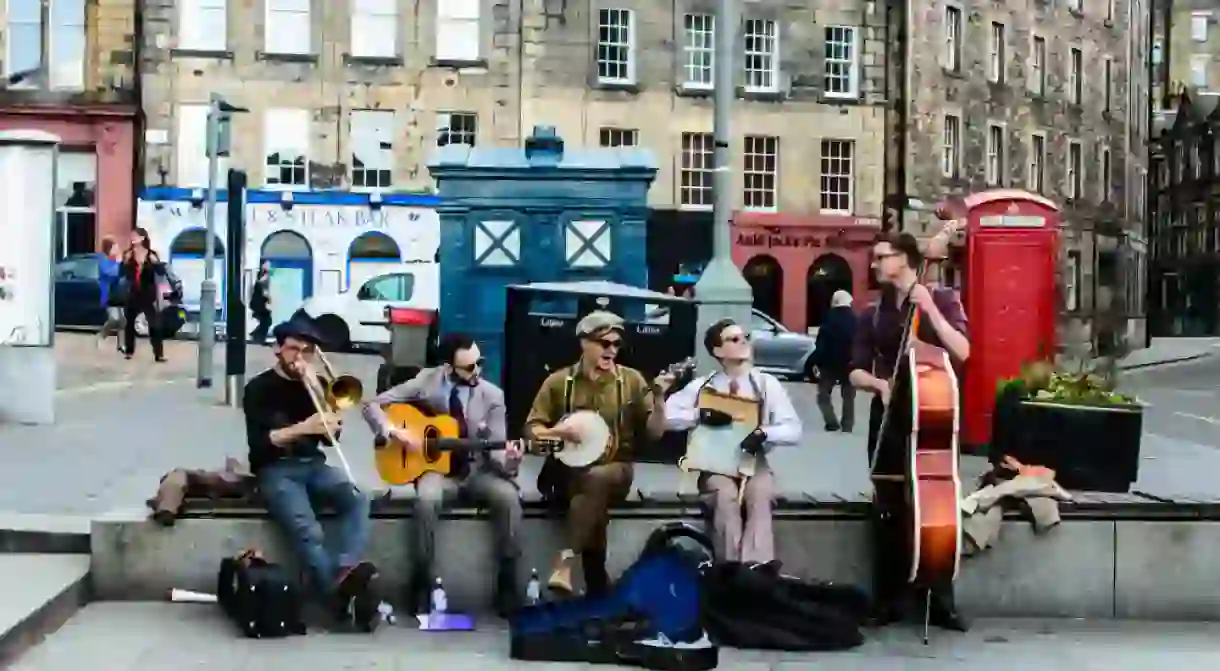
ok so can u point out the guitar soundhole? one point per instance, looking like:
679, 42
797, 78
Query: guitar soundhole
431, 454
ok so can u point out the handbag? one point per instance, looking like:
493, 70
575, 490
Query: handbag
259, 596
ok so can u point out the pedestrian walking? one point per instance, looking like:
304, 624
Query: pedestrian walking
832, 355
260, 303
113, 293
141, 270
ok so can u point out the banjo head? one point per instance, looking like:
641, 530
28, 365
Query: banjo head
594, 439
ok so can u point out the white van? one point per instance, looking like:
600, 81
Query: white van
357, 317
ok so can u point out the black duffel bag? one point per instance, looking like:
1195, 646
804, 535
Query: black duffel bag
261, 597
755, 606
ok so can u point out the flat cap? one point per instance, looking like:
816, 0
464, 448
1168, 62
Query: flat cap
598, 320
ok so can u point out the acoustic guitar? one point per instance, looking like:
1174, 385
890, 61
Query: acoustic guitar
441, 436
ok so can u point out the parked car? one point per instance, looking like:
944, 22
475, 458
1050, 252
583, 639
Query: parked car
776, 349
78, 296
357, 318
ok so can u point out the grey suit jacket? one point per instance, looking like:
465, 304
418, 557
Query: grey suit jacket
484, 410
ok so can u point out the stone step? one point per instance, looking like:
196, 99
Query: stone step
41, 593
43, 534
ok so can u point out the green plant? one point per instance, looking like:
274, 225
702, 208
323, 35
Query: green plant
1040, 381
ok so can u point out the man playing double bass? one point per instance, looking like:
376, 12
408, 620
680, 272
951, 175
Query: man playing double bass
897, 261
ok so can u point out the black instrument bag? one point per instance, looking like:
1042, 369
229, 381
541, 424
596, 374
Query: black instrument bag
261, 597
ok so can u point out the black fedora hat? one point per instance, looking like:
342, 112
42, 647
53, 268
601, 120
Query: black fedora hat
299, 326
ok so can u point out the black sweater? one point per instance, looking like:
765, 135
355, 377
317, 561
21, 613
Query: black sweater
272, 402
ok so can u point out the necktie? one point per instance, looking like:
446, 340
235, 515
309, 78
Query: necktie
456, 411
734, 387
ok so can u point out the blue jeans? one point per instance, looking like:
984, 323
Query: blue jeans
291, 488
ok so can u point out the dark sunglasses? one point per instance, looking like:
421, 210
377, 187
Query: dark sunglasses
737, 339
609, 343
882, 257
470, 368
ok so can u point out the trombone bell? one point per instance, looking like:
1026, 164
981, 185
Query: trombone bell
344, 391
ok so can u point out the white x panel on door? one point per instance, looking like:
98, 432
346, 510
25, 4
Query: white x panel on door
587, 244
497, 243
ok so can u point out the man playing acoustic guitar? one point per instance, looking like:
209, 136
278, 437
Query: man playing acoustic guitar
634, 411
778, 425
897, 260
486, 479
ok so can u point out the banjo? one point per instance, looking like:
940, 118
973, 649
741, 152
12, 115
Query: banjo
595, 439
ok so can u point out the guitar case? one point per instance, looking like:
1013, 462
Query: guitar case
652, 617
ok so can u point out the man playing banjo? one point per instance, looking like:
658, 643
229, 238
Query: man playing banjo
633, 410
750, 540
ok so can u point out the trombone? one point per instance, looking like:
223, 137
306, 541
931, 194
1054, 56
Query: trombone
333, 394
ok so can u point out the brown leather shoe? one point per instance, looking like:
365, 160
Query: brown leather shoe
561, 573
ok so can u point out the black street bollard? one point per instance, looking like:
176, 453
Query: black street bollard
235, 308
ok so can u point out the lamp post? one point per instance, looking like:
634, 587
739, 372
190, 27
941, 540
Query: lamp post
722, 292
218, 141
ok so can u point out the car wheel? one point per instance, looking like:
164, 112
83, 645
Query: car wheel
338, 336
811, 371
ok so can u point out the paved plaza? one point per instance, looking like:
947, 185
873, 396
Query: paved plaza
122, 424
154, 637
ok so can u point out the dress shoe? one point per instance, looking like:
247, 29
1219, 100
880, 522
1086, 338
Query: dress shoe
508, 588
355, 600
561, 574
944, 615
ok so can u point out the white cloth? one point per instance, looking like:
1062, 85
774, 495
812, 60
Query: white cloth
780, 421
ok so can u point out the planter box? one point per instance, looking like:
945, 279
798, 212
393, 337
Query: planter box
1092, 448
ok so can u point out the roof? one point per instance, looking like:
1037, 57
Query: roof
600, 288
544, 149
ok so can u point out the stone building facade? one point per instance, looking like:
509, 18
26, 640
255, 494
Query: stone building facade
1050, 96
1186, 48
357, 93
68, 69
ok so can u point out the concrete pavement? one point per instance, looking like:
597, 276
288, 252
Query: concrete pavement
152, 637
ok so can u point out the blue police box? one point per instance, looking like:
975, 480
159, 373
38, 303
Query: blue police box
535, 214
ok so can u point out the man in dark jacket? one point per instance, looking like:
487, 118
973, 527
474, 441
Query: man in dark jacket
833, 356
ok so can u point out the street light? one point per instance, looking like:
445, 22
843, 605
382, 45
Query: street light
219, 140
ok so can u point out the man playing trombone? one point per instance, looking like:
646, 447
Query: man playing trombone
285, 427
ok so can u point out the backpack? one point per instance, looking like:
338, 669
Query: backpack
755, 606
651, 619
260, 597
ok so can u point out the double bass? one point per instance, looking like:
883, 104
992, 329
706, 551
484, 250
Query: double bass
924, 411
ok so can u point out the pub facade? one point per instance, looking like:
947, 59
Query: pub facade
1184, 299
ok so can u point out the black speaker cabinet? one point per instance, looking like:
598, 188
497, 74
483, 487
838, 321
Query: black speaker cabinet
540, 338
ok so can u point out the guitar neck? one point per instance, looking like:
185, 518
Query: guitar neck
480, 445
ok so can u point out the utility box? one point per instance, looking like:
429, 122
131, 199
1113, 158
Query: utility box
540, 213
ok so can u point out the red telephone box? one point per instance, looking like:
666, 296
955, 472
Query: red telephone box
1009, 293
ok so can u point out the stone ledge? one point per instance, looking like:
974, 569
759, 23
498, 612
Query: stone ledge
651, 504
1066, 573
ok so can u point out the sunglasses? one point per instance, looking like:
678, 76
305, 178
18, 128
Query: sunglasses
737, 339
609, 343
882, 257
470, 368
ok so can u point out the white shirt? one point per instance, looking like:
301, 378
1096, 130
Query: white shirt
780, 421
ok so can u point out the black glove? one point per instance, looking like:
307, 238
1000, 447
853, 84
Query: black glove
713, 417
753, 443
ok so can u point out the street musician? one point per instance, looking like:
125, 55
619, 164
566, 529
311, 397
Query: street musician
897, 260
285, 431
751, 539
631, 406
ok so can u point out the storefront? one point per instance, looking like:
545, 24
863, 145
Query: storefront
94, 188
796, 262
318, 244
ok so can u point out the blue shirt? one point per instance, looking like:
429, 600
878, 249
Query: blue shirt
108, 272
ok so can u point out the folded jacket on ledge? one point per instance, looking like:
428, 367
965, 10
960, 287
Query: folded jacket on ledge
1036, 494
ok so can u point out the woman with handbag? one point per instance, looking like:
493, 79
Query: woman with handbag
140, 271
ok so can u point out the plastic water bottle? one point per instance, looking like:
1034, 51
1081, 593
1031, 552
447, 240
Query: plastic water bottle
533, 589
440, 602
386, 611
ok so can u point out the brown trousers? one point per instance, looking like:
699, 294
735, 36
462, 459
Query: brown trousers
593, 491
